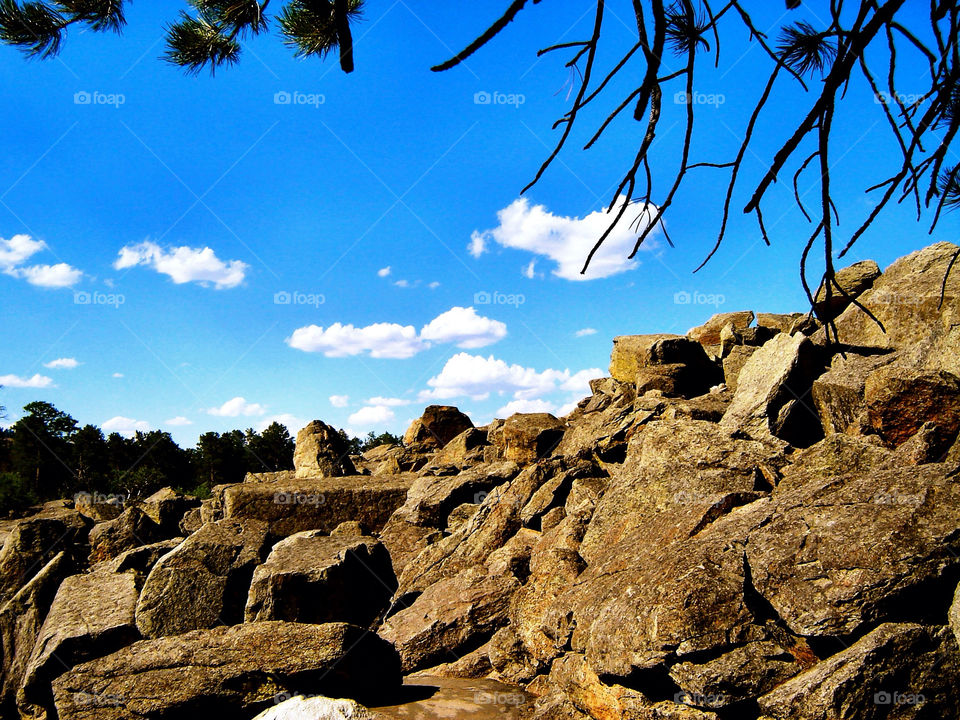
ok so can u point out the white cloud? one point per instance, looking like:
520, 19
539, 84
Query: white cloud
117, 375
178, 421
477, 377
125, 426
536, 405
465, 328
530, 271
37, 381
478, 244
371, 416
236, 407
388, 402
565, 240
340, 401
184, 264
402, 283
62, 364
381, 340
586, 331
18, 249
293, 423
434, 285
383, 272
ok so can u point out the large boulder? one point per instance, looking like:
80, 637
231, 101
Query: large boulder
204, 581
229, 671
35, 541
896, 671
682, 363
527, 437
132, 528
848, 284
900, 400
321, 452
91, 616
166, 507
709, 332
316, 708
438, 425
289, 505
838, 394
311, 577
773, 388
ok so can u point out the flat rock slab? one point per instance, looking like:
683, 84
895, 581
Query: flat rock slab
458, 699
290, 505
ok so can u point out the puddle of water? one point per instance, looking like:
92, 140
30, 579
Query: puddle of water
433, 698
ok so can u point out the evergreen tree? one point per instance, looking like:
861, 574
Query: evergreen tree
41, 452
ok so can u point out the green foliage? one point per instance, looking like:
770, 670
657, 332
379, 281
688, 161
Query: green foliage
309, 26
805, 50
15, 493
372, 440
42, 451
194, 42
685, 28
271, 450
37, 27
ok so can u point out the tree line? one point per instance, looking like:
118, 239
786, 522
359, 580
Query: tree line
46, 454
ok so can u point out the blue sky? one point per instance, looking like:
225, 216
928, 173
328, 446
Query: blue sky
286, 241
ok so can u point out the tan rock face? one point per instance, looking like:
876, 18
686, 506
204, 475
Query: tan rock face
237, 670
900, 400
438, 425
849, 284
527, 437
321, 452
131, 528
635, 353
709, 332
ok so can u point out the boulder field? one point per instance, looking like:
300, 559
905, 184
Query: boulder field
751, 521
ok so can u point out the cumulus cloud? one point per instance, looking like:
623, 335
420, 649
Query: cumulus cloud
178, 421
20, 248
236, 407
460, 326
536, 405
62, 364
465, 328
585, 332
383, 272
402, 283
293, 423
117, 375
372, 416
15, 381
475, 376
388, 401
125, 426
184, 264
340, 401
434, 285
565, 240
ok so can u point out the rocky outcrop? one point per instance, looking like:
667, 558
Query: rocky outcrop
166, 507
709, 332
204, 581
527, 437
673, 364
848, 284
311, 577
233, 669
438, 425
132, 528
321, 452
35, 541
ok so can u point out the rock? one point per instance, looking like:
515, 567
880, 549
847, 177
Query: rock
450, 615
461, 514
709, 332
631, 353
316, 708
527, 437
838, 393
514, 557
438, 425
191, 521
780, 322
848, 284
139, 561
405, 541
954, 615
166, 507
897, 670
35, 541
465, 450
900, 400
21, 618
431, 499
314, 578
772, 393
97, 507
290, 505
473, 665
204, 581
132, 528
733, 363
321, 452
91, 616
236, 670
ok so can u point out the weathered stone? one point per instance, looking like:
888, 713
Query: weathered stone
631, 353
463, 451
450, 615
139, 561
35, 541
781, 322
204, 581
166, 507
460, 514
314, 578
838, 393
848, 284
21, 618
132, 528
898, 670
527, 437
733, 363
191, 521
405, 541
316, 708
438, 425
289, 505
97, 507
91, 616
954, 615
475, 664
773, 389
514, 557
901, 400
235, 670
430, 498
709, 332
321, 452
